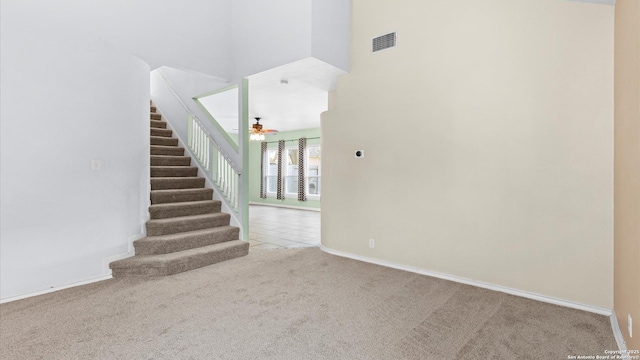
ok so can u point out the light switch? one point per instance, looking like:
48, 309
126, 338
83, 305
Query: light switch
96, 165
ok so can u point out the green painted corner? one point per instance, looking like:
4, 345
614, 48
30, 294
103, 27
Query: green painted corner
244, 141
254, 167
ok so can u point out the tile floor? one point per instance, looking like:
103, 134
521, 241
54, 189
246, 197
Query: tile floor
282, 228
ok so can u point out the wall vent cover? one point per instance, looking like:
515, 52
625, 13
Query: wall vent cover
383, 42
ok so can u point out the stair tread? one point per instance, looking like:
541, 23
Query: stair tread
186, 203
179, 219
165, 147
194, 190
175, 178
170, 160
177, 182
158, 124
165, 259
169, 167
163, 141
183, 204
170, 156
164, 244
160, 132
163, 196
178, 236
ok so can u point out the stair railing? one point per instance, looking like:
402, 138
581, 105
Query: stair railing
216, 158
213, 160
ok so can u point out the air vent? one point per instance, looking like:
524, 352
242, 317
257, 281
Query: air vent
383, 42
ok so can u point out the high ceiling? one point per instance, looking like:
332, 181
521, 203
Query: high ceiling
289, 97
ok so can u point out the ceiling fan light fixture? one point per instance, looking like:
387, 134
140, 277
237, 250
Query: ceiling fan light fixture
257, 133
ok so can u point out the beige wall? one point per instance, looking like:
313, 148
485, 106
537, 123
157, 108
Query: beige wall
627, 167
488, 138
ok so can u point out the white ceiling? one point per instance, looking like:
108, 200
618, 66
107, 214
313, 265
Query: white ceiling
294, 106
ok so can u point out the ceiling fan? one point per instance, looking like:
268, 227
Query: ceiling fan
257, 133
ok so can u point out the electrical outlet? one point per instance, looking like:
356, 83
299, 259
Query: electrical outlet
372, 243
630, 325
96, 165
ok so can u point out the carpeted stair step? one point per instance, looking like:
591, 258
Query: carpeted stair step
158, 124
174, 263
174, 171
163, 183
169, 210
167, 150
164, 141
165, 160
187, 229
161, 132
180, 195
175, 225
164, 244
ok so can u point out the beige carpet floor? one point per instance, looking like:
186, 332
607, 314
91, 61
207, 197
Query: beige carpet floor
294, 304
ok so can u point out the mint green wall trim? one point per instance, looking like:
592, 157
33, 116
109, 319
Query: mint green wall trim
230, 140
243, 139
254, 167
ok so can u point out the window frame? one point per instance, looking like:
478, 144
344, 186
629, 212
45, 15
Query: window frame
307, 164
267, 177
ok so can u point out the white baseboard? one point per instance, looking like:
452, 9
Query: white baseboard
130, 252
622, 346
55, 288
285, 206
105, 264
511, 291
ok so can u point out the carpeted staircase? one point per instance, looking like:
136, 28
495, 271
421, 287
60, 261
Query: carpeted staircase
187, 229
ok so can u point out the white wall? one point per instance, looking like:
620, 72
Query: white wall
186, 89
191, 84
488, 135
223, 38
330, 31
267, 34
67, 98
190, 34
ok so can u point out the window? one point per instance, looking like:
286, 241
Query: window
271, 170
290, 171
291, 174
313, 171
